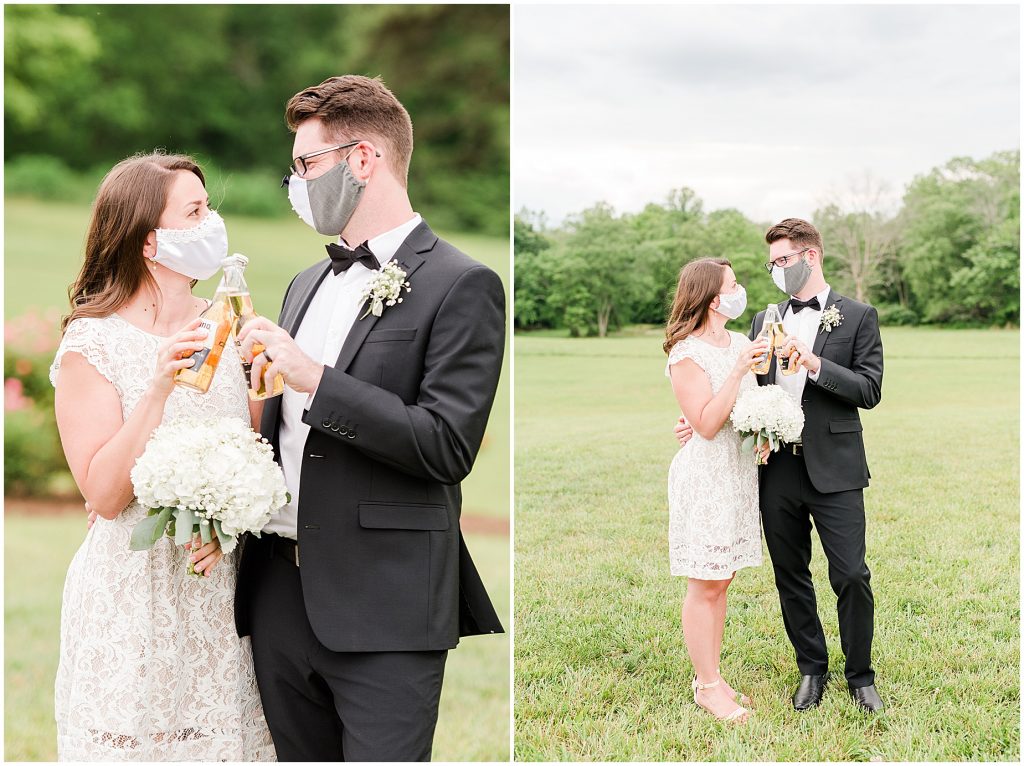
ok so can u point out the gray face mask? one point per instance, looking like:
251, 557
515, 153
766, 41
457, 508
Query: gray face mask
792, 279
327, 203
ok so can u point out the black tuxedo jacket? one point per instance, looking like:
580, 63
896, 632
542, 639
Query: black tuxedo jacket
395, 425
850, 378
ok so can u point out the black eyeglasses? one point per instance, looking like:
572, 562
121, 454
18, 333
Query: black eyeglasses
783, 260
299, 166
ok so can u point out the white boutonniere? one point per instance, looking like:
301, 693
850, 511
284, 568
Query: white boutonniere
831, 318
385, 289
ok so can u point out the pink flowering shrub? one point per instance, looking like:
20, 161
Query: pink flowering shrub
34, 462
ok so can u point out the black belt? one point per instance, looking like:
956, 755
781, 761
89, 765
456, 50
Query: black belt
283, 547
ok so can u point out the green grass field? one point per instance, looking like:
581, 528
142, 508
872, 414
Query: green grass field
43, 247
473, 724
601, 668
43, 251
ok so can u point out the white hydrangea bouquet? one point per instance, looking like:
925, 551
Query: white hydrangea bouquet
201, 475
767, 414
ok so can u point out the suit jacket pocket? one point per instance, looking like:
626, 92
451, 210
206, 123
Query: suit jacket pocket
403, 516
845, 426
390, 333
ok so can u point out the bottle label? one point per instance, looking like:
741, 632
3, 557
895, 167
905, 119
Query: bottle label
211, 334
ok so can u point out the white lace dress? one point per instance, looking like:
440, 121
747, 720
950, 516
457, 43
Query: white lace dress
714, 523
151, 668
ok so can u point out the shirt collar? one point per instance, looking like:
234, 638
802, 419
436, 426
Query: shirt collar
384, 246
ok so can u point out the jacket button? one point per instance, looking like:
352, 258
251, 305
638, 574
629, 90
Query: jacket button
326, 424
351, 434
335, 428
343, 431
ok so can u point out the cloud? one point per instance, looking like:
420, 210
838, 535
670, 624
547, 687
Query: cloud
757, 107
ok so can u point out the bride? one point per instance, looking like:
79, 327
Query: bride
714, 522
151, 668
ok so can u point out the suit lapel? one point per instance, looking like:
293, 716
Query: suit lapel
408, 256
834, 299
774, 363
292, 316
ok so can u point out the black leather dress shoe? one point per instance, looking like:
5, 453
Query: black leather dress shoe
810, 691
867, 698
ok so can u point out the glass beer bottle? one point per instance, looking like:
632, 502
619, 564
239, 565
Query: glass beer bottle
772, 318
242, 312
785, 361
216, 320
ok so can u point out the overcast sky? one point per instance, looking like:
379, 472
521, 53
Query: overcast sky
762, 108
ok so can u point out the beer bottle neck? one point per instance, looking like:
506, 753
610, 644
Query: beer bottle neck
234, 282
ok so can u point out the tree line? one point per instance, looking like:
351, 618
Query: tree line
950, 254
87, 85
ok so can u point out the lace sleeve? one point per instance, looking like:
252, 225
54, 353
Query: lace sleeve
685, 349
85, 337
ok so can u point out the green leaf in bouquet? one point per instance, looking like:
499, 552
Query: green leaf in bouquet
205, 531
227, 542
772, 442
185, 524
748, 444
148, 531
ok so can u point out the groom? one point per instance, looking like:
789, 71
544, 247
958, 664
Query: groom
356, 590
837, 350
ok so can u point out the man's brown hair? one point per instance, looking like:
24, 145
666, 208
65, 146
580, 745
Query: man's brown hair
353, 108
798, 231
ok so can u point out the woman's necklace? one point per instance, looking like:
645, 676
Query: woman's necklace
715, 335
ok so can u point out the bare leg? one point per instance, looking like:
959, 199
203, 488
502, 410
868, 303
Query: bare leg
702, 631
720, 632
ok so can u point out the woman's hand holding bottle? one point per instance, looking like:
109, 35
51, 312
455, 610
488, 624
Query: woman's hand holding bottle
171, 356
750, 355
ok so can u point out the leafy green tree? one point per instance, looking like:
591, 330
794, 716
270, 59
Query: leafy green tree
91, 84
667, 236
989, 284
534, 272
449, 65
597, 277
731, 235
859, 236
957, 239
41, 46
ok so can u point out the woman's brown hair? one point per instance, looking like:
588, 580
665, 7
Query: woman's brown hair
699, 282
128, 206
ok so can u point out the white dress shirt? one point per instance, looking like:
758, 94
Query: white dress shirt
324, 328
803, 325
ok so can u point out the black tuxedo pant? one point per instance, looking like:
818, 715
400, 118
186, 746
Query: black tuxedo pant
789, 503
335, 706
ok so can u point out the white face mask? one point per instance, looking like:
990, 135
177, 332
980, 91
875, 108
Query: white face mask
298, 195
195, 252
731, 305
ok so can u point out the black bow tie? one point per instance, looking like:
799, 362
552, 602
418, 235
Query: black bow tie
342, 258
798, 305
